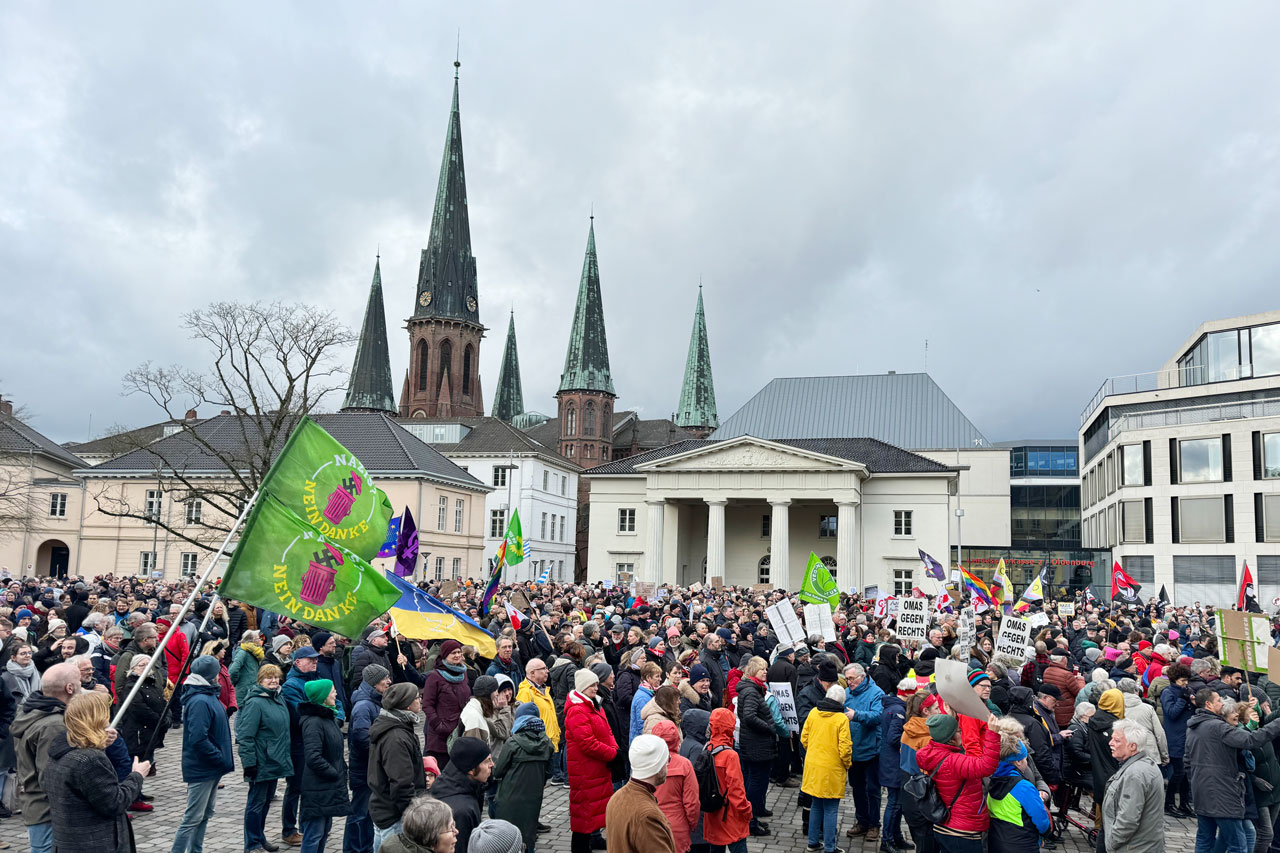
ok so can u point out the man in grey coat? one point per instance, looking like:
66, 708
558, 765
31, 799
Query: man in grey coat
1133, 808
1213, 768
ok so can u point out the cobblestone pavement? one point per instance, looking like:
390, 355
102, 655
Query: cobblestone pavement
154, 830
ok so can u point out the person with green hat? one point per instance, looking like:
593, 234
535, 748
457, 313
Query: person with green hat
324, 769
958, 780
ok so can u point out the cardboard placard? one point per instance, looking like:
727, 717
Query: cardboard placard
1011, 645
817, 620
1066, 608
787, 701
448, 588
967, 635
761, 587
644, 589
785, 625
520, 600
662, 593
951, 677
913, 619
717, 581
696, 588
1243, 639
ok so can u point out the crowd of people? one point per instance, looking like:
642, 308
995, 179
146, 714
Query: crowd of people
669, 720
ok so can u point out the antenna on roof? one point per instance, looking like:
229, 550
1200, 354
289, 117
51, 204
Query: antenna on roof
926, 355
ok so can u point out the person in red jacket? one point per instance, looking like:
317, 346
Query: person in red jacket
729, 827
958, 780
591, 746
678, 796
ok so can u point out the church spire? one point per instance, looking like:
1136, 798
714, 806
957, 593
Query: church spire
447, 272
369, 389
586, 363
509, 399
697, 410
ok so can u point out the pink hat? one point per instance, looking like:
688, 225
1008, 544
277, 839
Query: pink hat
429, 765
1112, 655
1173, 635
673, 632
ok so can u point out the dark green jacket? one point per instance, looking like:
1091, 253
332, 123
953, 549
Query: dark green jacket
521, 772
262, 734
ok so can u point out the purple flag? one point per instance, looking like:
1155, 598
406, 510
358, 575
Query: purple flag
932, 567
388, 548
407, 546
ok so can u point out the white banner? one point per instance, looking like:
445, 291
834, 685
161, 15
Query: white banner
817, 620
1011, 646
913, 620
786, 627
967, 634
1066, 608
782, 690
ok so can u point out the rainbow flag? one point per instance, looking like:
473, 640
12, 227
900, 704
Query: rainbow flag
977, 587
510, 553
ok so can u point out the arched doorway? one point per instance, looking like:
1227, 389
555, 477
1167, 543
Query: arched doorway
52, 558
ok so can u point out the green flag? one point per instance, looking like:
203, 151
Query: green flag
321, 482
818, 586
511, 551
284, 565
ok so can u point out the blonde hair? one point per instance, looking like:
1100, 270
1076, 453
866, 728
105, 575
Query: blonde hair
753, 666
268, 670
86, 719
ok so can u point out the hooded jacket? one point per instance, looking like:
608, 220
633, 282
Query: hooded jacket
206, 733
1213, 763
733, 823
366, 706
463, 796
1110, 709
958, 780
39, 722
394, 768
522, 773
690, 698
363, 655
867, 702
1178, 707
891, 725
1042, 733
678, 796
591, 747
1018, 815
828, 751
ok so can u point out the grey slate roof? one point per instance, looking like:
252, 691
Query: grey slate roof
382, 445
904, 409
508, 400
369, 388
17, 437
122, 442
879, 457
586, 361
493, 436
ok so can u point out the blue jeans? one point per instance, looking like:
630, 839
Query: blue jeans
824, 821
40, 836
892, 816
190, 835
358, 836
1231, 831
315, 833
256, 804
380, 836
560, 765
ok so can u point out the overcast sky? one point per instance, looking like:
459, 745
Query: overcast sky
1049, 194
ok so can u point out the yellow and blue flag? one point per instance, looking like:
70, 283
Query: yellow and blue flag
420, 616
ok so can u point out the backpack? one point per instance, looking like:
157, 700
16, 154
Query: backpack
920, 801
710, 797
780, 727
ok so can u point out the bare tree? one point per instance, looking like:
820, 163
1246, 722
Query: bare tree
273, 363
17, 502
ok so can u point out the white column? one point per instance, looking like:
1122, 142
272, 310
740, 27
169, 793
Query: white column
715, 539
780, 544
653, 554
846, 545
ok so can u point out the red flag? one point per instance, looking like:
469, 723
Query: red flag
517, 618
1247, 600
1123, 587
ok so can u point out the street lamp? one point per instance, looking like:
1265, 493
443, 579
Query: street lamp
959, 552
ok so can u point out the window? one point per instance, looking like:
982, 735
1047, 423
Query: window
903, 581
1135, 522
439, 568
562, 527
1271, 455
563, 484
442, 513
826, 527
497, 523
1200, 460
58, 505
458, 506
766, 526
1271, 518
446, 364
762, 570
544, 527
466, 370
589, 418
830, 563
457, 567
1265, 343
553, 528
568, 451
902, 522
1132, 466
190, 562
195, 510
147, 562
1202, 520
499, 475
570, 420
152, 509
545, 477
422, 365
560, 570
626, 521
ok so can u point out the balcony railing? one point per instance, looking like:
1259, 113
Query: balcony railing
1195, 415
1177, 377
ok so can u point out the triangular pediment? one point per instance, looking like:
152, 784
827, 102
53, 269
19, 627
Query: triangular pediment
747, 453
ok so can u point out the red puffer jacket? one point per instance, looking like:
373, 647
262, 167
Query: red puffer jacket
970, 810
591, 748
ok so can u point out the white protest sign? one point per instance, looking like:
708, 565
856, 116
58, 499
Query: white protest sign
952, 681
787, 701
786, 627
1011, 646
967, 635
894, 606
817, 620
1066, 608
913, 619
1038, 620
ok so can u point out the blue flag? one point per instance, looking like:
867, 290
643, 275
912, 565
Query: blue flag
388, 548
420, 616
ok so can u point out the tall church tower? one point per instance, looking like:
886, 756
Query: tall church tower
443, 379
697, 411
370, 388
585, 399
508, 401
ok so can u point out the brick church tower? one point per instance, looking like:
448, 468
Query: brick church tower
585, 400
443, 379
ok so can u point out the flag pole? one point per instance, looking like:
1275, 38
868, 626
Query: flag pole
158, 654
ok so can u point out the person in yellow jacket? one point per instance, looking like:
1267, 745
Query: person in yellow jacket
534, 689
828, 754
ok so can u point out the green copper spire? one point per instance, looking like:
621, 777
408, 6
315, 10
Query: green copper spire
509, 399
586, 363
370, 386
698, 394
447, 271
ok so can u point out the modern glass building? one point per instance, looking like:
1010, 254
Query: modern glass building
1044, 494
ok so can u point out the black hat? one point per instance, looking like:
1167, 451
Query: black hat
827, 671
1049, 690
468, 753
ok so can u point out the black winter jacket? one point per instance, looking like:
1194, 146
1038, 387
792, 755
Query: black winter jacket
395, 774
324, 769
756, 738
463, 795
86, 801
1213, 762
1040, 734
